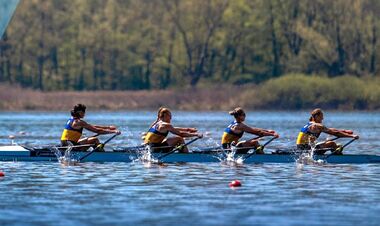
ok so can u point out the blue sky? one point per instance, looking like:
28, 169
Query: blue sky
7, 8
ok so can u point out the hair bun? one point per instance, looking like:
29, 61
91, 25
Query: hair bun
237, 111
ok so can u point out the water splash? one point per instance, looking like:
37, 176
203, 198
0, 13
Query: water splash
308, 158
231, 158
67, 158
146, 155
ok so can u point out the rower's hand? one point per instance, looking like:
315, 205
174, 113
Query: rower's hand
355, 136
118, 132
274, 133
192, 130
348, 131
199, 135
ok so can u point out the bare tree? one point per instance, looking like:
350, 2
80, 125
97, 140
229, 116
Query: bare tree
197, 40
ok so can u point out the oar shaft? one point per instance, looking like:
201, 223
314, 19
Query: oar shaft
349, 142
74, 146
345, 145
328, 140
265, 144
97, 148
270, 140
131, 148
177, 148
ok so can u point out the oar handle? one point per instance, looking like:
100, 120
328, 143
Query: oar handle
177, 148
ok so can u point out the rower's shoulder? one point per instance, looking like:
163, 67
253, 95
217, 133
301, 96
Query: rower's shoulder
316, 125
165, 125
79, 122
242, 126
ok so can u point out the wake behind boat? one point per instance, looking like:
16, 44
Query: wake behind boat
125, 154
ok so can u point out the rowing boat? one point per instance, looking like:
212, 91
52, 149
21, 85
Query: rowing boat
21, 153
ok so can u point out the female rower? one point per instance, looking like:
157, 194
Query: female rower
236, 129
313, 129
157, 138
74, 127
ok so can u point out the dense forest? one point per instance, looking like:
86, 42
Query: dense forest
159, 44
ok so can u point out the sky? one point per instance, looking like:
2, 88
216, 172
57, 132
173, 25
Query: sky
7, 8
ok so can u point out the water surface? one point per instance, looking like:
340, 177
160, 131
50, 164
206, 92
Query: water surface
189, 194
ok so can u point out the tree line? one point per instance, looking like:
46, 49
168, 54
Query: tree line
159, 44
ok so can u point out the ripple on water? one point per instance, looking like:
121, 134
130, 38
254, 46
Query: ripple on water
194, 194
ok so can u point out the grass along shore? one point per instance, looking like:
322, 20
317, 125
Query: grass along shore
290, 92
18, 99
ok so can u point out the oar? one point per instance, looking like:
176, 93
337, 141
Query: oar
209, 149
328, 140
339, 149
99, 147
237, 147
132, 148
73, 146
261, 147
177, 148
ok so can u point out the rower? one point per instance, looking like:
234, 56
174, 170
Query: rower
156, 136
236, 129
312, 130
74, 128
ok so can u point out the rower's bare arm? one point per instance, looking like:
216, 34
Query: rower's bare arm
105, 127
96, 129
182, 132
340, 133
193, 130
258, 131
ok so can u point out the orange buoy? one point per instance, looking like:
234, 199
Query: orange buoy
2, 174
235, 183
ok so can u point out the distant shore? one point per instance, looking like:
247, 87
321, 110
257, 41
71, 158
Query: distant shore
290, 92
14, 98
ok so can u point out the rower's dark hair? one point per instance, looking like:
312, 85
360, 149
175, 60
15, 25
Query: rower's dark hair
315, 113
160, 114
76, 109
237, 112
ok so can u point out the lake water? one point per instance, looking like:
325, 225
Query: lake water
39, 193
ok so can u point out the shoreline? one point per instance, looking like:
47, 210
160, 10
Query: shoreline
288, 93
14, 98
